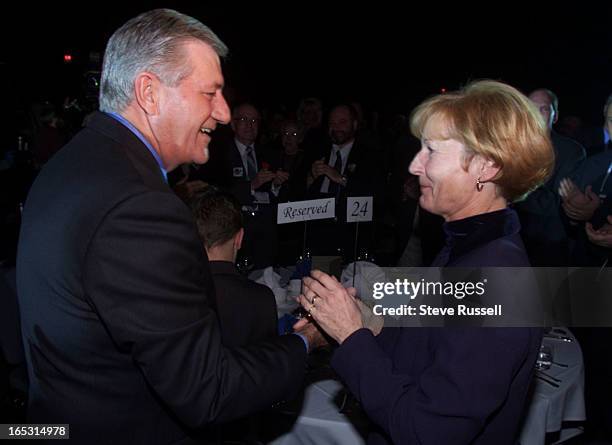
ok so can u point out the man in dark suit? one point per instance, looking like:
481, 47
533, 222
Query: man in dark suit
116, 295
246, 310
604, 143
349, 167
544, 229
237, 166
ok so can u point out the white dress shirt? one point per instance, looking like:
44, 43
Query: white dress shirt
345, 151
260, 197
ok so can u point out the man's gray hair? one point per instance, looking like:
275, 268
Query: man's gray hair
153, 42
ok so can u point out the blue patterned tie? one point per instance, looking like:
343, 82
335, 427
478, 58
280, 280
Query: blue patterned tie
251, 166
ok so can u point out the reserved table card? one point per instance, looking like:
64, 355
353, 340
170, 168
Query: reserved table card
299, 211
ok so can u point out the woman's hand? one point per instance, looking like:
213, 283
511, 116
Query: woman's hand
331, 305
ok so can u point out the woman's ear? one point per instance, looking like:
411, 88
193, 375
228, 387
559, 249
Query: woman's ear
493, 170
487, 169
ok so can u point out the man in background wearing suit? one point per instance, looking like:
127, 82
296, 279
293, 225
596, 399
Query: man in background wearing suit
543, 228
237, 166
350, 167
116, 295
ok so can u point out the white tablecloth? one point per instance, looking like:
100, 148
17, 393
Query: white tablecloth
320, 422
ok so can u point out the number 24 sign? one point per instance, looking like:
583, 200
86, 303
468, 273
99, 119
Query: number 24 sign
359, 208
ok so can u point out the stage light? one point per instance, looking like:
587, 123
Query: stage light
67, 58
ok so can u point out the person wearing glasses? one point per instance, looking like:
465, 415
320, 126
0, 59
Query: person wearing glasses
288, 157
239, 166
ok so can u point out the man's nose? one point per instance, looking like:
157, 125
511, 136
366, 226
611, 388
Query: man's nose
221, 112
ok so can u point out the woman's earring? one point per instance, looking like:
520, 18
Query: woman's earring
479, 185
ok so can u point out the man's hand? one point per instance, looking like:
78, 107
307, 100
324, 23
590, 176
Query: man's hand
315, 337
334, 175
602, 236
321, 168
263, 176
577, 205
280, 178
331, 305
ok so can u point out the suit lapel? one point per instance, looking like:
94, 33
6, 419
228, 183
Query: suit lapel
236, 162
353, 159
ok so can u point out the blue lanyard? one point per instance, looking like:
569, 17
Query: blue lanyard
140, 136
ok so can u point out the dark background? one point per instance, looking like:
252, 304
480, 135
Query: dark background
389, 56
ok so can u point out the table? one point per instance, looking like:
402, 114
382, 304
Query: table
320, 421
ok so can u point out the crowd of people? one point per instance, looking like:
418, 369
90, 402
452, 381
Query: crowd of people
137, 327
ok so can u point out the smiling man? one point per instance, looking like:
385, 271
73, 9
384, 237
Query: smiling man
116, 295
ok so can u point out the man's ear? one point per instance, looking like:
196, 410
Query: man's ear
555, 115
238, 239
147, 90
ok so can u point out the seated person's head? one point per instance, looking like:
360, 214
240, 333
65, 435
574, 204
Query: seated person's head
310, 112
343, 123
245, 123
219, 221
292, 135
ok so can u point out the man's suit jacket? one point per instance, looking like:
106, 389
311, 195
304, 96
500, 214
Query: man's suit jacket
593, 172
247, 310
542, 218
226, 170
116, 301
364, 172
452, 385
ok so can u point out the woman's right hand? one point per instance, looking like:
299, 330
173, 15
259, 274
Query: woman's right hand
331, 305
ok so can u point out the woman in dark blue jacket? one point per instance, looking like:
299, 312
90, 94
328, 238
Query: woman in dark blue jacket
482, 147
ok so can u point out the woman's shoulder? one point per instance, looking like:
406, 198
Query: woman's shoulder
507, 251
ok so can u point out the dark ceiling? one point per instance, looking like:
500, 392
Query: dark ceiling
386, 56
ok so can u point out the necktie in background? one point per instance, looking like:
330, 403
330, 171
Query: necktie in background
334, 186
251, 166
